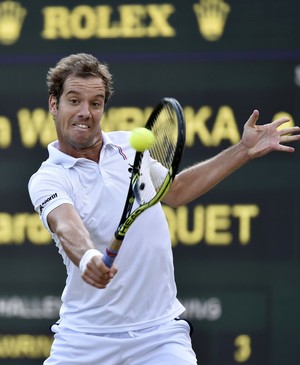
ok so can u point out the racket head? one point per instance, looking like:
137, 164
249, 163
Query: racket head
167, 124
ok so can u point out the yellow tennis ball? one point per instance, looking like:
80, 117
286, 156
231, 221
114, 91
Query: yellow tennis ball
141, 139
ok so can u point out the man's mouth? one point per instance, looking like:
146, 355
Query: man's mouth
82, 126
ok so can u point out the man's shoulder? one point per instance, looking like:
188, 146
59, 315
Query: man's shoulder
47, 170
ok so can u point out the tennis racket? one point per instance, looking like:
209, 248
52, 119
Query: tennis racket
162, 160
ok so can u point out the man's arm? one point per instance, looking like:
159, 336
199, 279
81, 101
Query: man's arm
257, 141
66, 223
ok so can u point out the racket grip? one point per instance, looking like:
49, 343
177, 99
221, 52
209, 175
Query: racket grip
109, 257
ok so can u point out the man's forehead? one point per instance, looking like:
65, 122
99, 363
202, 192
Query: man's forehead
83, 84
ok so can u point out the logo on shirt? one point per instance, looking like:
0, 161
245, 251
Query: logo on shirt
120, 151
42, 206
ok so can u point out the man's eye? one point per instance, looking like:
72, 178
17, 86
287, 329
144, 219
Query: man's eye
96, 104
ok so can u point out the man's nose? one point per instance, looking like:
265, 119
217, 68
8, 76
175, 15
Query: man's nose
84, 111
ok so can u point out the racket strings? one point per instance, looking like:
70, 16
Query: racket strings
166, 134
160, 157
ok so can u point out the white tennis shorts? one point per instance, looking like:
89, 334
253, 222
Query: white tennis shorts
167, 344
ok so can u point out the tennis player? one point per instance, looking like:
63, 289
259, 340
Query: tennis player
127, 314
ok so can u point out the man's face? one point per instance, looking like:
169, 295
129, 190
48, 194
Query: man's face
78, 114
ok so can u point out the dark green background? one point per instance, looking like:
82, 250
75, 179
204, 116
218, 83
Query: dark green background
251, 66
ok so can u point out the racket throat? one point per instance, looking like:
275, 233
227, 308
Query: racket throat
136, 191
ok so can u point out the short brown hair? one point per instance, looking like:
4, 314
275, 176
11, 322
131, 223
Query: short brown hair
78, 65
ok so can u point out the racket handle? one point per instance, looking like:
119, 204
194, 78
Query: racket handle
109, 257
111, 251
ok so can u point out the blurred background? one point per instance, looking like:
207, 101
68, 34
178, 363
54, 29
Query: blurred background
236, 249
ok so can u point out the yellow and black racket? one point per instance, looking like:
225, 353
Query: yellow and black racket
161, 161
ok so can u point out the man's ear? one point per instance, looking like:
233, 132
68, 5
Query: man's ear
52, 105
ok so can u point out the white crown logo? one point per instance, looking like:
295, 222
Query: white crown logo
211, 16
11, 20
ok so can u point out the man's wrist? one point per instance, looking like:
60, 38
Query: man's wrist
88, 255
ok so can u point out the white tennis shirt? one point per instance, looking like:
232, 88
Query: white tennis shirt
143, 292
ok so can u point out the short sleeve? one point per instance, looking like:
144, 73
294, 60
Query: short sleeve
48, 190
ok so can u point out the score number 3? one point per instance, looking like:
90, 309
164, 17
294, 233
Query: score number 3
243, 351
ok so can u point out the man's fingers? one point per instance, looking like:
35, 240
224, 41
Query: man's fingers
97, 274
252, 119
96, 283
290, 132
113, 271
99, 281
277, 123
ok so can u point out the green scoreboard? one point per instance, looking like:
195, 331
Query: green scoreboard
236, 249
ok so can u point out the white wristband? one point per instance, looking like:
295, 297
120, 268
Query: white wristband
86, 258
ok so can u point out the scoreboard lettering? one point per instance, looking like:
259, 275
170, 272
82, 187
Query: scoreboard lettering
84, 22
